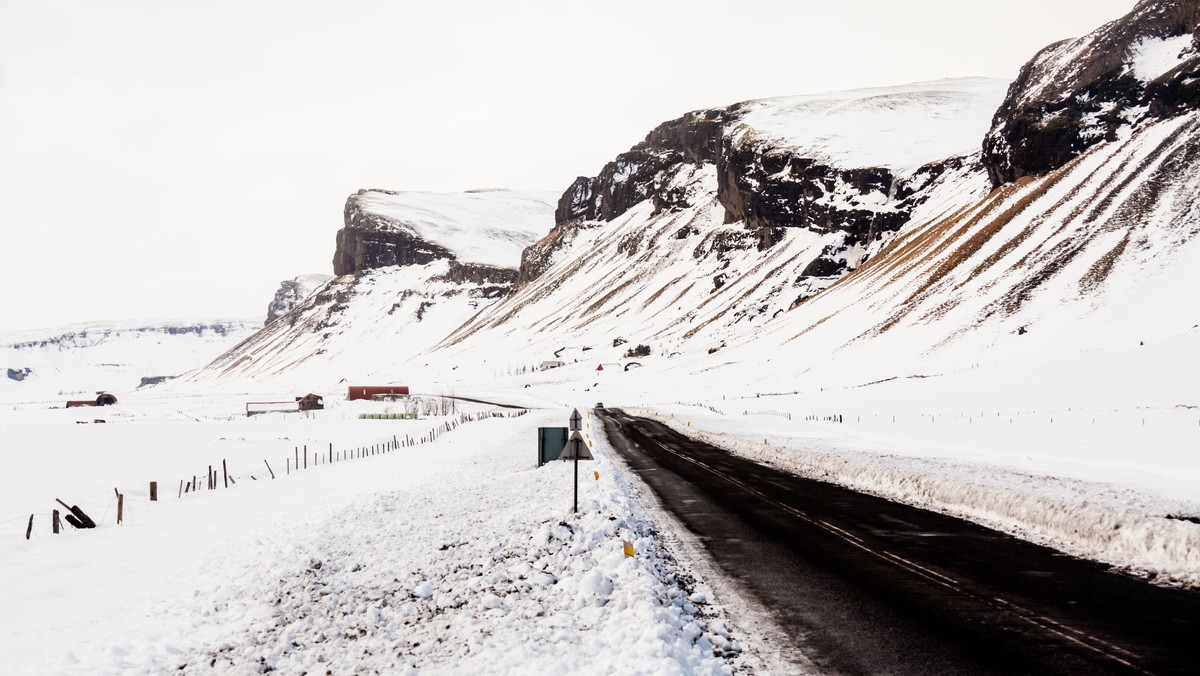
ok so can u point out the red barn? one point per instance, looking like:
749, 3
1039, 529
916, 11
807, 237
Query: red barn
372, 391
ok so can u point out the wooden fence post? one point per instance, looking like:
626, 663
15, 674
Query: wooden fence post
29, 528
225, 471
305, 456
180, 489
77, 517
153, 491
269, 468
120, 509
55, 523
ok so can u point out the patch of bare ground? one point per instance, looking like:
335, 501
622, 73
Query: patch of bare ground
938, 237
590, 312
812, 326
885, 262
654, 296
229, 369
1181, 160
1103, 266
1149, 183
939, 311
1020, 238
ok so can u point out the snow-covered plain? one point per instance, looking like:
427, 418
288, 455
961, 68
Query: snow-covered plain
451, 555
77, 360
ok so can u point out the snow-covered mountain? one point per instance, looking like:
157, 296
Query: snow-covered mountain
858, 235
412, 267
113, 356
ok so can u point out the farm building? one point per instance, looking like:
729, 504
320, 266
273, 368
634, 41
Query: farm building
104, 399
310, 402
377, 391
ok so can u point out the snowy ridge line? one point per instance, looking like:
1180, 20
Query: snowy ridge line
217, 476
1135, 532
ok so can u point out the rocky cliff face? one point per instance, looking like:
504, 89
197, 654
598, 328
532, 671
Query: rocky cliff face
370, 240
291, 292
766, 179
1078, 93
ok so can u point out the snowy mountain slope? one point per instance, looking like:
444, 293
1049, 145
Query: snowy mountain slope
680, 271
1097, 255
115, 356
678, 282
354, 326
417, 269
816, 227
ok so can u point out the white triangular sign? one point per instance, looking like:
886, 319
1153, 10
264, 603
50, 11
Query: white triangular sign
576, 445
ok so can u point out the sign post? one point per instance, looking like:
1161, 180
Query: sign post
575, 450
576, 421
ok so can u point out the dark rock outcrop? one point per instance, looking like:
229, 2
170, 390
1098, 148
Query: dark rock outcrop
19, 374
370, 241
765, 185
291, 292
769, 188
1077, 93
147, 381
488, 281
635, 175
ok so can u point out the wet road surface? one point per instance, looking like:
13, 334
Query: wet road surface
869, 586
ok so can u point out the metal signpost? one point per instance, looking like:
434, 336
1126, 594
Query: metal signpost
575, 449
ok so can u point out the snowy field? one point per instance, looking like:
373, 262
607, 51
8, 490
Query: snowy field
454, 555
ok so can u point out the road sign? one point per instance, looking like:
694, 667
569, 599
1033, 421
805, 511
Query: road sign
551, 441
576, 449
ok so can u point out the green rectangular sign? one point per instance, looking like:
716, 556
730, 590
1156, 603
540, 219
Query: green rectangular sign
551, 441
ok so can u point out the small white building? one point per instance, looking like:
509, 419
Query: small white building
552, 364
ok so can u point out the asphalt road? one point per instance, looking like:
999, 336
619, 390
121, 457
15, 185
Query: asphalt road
868, 586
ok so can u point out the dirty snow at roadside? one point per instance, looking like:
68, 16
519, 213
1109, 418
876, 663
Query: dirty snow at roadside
926, 461
456, 556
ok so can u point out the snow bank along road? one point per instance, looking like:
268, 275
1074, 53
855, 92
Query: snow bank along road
866, 585
457, 556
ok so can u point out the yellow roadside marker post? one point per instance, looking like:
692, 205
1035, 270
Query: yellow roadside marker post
628, 548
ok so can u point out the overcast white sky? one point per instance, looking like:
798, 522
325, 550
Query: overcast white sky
177, 160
